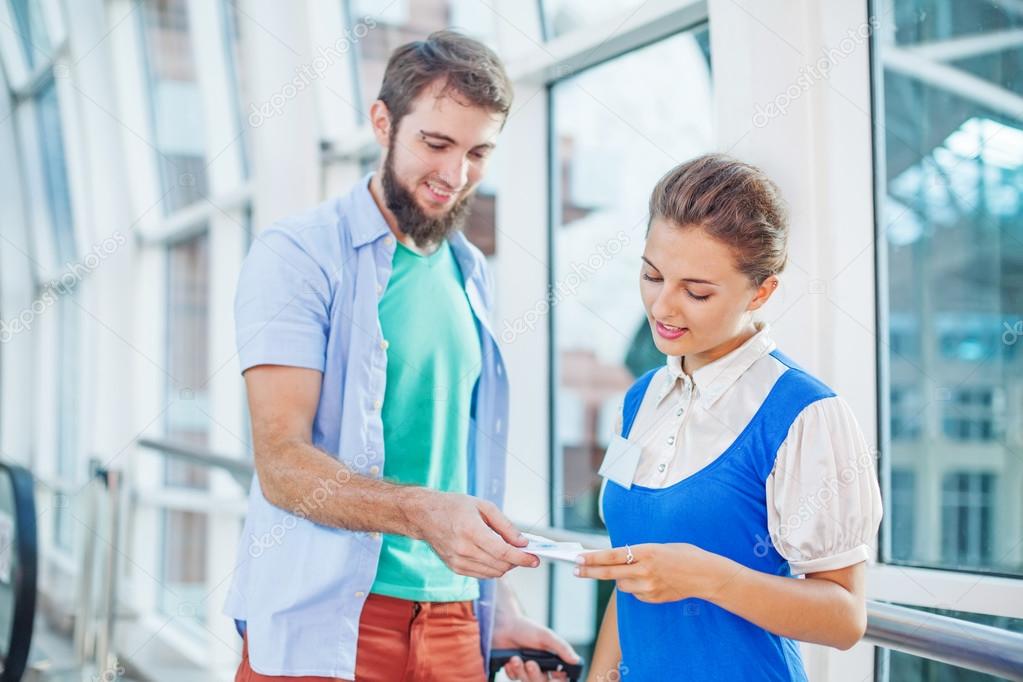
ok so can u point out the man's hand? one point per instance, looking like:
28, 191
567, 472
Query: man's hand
470, 535
518, 632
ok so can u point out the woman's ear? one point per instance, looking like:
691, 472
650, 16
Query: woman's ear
764, 292
380, 120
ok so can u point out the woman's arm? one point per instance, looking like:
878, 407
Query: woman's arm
607, 652
826, 608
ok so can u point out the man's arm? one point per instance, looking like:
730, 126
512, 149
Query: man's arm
472, 536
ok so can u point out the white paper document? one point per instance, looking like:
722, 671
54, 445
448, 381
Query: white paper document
549, 549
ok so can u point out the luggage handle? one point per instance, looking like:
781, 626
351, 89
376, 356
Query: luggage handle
547, 660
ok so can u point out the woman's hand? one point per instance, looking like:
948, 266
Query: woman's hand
658, 572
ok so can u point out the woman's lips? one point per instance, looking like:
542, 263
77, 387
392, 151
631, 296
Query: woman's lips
671, 333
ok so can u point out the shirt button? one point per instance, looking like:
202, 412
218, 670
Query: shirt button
374, 470
377, 404
388, 240
376, 535
671, 440
384, 343
661, 467
380, 289
360, 594
679, 412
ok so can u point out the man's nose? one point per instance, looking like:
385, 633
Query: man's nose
456, 172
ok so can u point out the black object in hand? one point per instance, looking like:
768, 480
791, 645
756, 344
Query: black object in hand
547, 660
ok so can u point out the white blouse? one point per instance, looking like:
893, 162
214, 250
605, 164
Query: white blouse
823, 499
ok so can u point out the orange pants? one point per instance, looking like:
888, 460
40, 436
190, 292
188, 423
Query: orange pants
405, 641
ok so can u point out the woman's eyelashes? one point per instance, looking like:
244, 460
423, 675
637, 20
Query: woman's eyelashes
652, 278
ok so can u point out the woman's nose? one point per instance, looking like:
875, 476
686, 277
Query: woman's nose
663, 307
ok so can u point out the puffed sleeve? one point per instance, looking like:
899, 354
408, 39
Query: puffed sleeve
823, 499
282, 304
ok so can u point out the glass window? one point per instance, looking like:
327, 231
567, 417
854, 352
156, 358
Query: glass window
35, 41
617, 129
564, 16
950, 224
175, 103
67, 376
401, 22
58, 197
895, 666
237, 75
187, 417
901, 507
967, 518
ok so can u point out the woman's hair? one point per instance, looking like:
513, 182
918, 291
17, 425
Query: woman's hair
735, 203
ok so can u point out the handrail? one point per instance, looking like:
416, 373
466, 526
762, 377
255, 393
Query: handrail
940, 638
954, 641
239, 469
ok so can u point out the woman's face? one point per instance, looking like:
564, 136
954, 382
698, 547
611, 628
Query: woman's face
697, 302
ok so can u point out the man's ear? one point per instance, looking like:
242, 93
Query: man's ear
764, 292
380, 120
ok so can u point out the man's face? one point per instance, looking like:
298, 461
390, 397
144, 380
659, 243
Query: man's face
435, 161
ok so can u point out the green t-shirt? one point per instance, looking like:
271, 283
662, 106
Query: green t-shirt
433, 362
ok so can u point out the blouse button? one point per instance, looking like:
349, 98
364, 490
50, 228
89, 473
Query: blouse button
671, 440
661, 467
678, 413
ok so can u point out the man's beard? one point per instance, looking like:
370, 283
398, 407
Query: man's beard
421, 228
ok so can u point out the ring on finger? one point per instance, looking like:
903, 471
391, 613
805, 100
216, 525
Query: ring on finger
629, 556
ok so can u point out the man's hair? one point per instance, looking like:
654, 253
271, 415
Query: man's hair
468, 68
735, 203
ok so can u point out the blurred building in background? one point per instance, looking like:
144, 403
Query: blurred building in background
145, 143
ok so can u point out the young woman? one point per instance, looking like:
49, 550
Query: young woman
740, 496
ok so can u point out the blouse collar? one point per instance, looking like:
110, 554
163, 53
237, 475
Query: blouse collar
714, 379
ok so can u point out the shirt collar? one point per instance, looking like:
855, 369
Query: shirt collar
369, 223
714, 379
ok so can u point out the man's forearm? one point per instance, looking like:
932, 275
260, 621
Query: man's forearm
309, 483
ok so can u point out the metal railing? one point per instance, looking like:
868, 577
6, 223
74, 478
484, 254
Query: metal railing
939, 638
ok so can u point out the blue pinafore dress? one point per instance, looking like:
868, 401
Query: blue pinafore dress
721, 508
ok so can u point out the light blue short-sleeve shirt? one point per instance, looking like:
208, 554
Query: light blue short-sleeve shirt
308, 296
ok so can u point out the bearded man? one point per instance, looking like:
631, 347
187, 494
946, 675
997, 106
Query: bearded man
374, 536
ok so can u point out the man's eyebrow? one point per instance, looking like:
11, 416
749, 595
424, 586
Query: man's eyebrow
687, 280
451, 140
